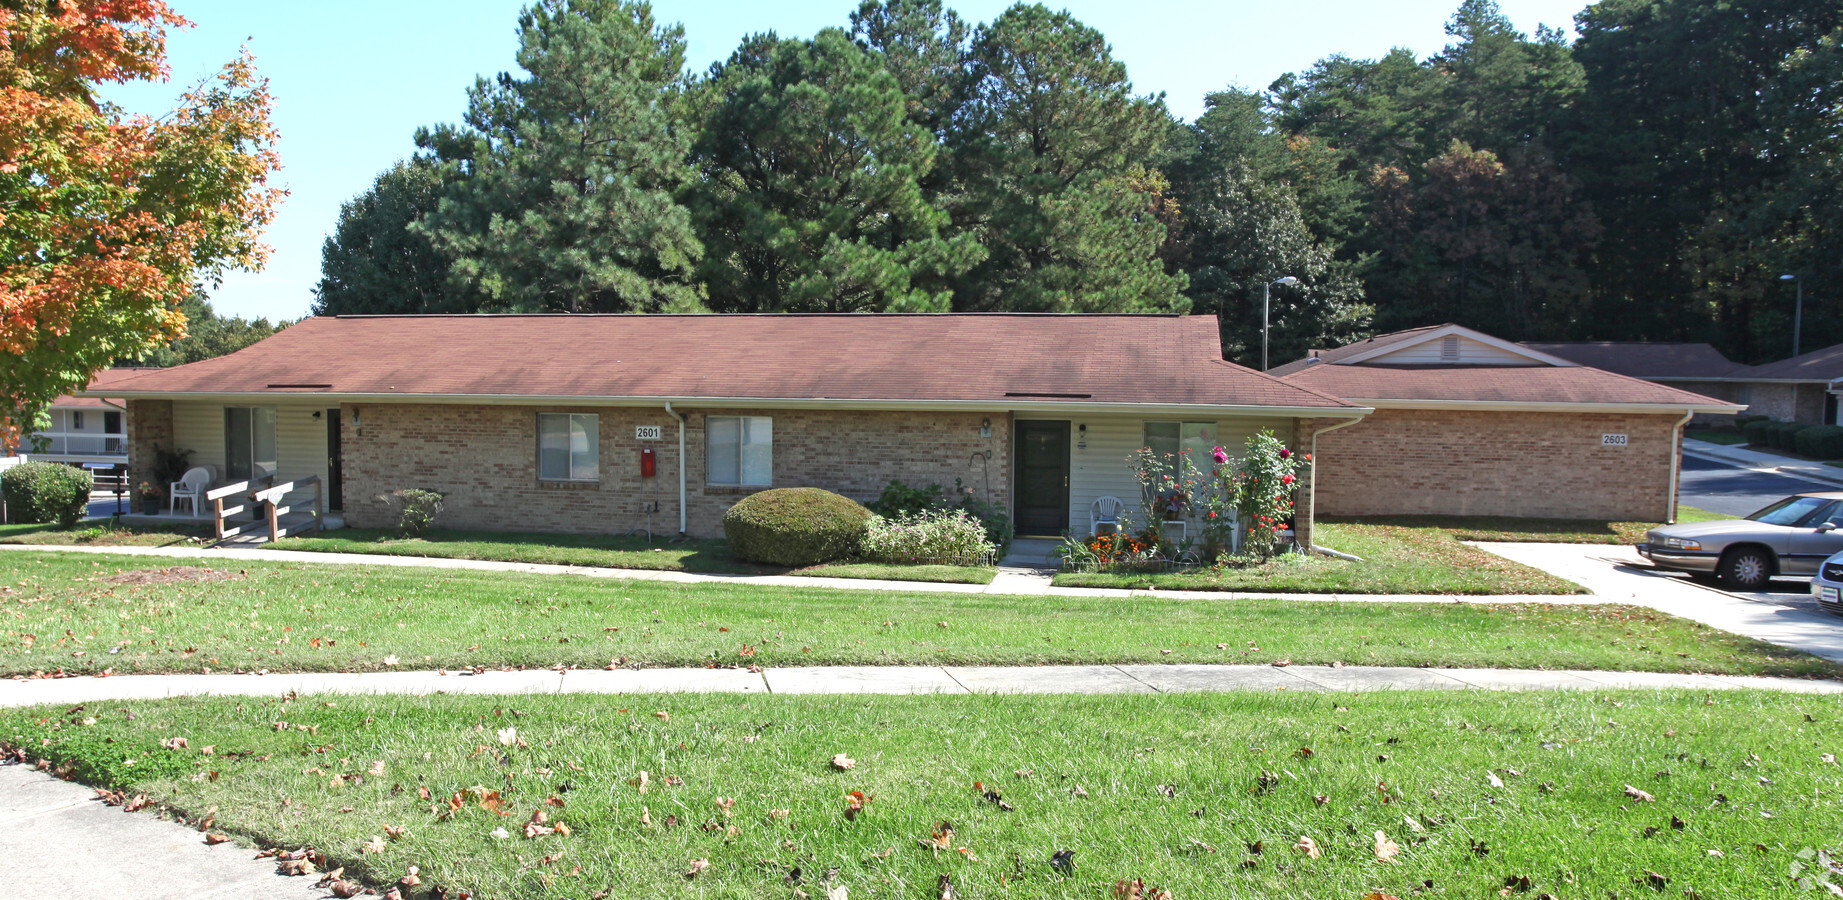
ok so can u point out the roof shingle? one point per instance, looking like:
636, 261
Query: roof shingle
1643, 359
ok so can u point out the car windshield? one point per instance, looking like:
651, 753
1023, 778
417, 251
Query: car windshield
1792, 511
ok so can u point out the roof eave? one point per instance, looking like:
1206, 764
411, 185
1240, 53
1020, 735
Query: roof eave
1531, 406
992, 405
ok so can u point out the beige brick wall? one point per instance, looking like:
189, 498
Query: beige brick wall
484, 458
1534, 465
150, 425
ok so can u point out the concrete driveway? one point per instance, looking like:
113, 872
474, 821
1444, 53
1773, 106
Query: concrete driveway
1785, 615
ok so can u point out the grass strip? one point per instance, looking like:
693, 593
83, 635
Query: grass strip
1618, 794
89, 613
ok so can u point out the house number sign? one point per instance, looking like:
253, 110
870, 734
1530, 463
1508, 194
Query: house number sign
651, 433
1613, 440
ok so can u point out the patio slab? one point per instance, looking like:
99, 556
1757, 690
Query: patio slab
1048, 680
862, 680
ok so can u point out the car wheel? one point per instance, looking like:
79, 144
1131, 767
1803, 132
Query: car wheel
1748, 568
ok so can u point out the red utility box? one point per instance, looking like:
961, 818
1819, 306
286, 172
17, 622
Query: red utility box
647, 462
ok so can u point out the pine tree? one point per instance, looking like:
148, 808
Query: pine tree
375, 262
563, 184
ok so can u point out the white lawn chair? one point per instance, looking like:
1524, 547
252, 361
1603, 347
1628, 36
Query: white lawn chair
190, 487
1104, 511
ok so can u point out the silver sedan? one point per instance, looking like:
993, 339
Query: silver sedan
1791, 537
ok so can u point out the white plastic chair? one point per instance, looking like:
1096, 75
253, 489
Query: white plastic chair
190, 487
1104, 511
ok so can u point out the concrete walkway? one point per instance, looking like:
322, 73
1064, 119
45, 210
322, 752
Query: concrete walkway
1760, 461
58, 840
1103, 679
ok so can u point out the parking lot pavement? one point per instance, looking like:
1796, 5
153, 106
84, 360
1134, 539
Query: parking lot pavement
1732, 490
1785, 615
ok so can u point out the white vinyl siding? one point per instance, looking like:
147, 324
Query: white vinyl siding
740, 450
569, 446
1434, 352
300, 440
1100, 469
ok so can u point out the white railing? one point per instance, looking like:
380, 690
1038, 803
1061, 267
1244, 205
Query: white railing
72, 443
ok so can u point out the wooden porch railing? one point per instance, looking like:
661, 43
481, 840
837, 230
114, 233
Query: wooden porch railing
264, 499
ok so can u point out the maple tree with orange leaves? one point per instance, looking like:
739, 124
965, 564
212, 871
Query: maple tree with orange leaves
109, 219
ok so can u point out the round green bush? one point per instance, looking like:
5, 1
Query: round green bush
795, 527
46, 492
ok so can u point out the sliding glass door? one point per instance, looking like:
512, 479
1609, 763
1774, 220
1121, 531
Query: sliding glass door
249, 442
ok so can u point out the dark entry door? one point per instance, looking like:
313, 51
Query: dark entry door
1042, 487
335, 483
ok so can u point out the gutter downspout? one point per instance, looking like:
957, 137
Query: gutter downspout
681, 466
1315, 433
1676, 463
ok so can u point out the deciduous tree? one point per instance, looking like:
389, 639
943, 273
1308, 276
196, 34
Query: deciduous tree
375, 261
108, 220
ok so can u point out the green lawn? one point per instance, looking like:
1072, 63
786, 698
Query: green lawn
92, 613
1556, 531
1403, 558
106, 535
605, 551
1603, 794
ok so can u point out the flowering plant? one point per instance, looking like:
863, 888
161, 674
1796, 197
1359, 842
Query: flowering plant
148, 491
1261, 491
1168, 483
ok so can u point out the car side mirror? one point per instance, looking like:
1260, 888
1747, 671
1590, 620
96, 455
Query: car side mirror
1826, 528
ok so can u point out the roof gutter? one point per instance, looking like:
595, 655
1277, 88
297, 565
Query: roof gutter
1000, 404
681, 466
1529, 406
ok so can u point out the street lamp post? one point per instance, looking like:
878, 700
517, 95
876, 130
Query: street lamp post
1266, 299
1798, 312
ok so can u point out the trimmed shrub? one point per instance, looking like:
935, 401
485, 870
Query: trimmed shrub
949, 536
1821, 442
46, 492
1756, 431
899, 499
416, 510
795, 527
1785, 435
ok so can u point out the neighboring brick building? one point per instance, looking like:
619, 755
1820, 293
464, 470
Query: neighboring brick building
1790, 390
541, 423
1467, 424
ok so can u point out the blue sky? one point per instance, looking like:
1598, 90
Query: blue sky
353, 80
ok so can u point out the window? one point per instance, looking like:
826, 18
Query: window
1173, 437
249, 442
741, 450
76, 420
569, 446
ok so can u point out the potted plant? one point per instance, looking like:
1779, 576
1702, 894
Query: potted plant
150, 496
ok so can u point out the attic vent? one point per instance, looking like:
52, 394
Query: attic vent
299, 387
1048, 395
1449, 348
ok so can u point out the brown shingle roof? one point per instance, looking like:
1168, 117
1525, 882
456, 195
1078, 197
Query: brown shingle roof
1002, 359
1494, 384
1351, 349
1643, 359
1818, 365
102, 380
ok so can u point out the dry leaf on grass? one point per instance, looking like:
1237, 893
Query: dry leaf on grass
1496, 782
212, 837
842, 762
942, 837
1309, 847
1636, 794
1386, 850
375, 845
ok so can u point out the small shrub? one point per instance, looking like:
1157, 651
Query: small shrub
46, 492
1756, 431
795, 527
1784, 435
416, 510
899, 500
945, 536
1821, 442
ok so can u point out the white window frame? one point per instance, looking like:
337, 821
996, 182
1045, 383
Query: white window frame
591, 426
1210, 433
747, 428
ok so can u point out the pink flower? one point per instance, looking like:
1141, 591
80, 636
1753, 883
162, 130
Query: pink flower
1221, 455
1286, 479
1285, 453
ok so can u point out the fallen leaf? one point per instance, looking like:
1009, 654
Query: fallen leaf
390, 660
640, 781
945, 888
1309, 847
375, 845
1636, 794
1496, 782
508, 736
1386, 850
663, 716
177, 743
377, 769
854, 804
842, 762
139, 802
942, 837
212, 837
697, 865
1063, 860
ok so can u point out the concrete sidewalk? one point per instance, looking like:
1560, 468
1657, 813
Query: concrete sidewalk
1102, 679
58, 841
1765, 462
